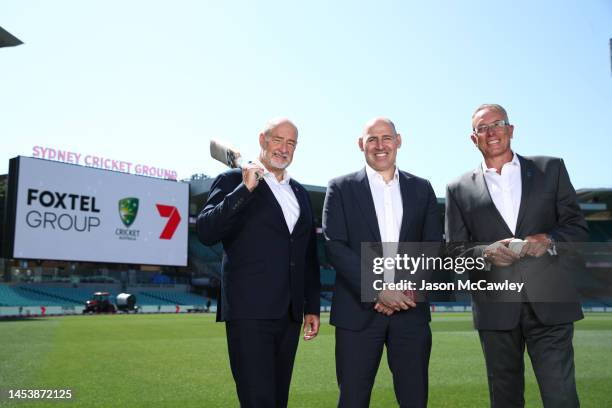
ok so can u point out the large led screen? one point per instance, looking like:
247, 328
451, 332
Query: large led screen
70, 212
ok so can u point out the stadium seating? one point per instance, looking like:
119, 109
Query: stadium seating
63, 296
326, 298
36, 295
328, 276
205, 258
600, 231
169, 298
9, 297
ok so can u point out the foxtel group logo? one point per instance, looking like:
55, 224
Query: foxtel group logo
174, 219
128, 210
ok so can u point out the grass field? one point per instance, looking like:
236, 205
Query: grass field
181, 361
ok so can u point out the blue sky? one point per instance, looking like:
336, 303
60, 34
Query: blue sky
152, 81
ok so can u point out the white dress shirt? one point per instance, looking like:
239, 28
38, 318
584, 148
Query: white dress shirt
505, 190
387, 199
284, 196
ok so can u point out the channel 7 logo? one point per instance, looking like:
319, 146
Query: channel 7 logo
174, 218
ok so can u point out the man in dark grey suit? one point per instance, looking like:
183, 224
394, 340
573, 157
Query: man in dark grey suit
377, 204
529, 198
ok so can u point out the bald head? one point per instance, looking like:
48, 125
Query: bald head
379, 143
376, 122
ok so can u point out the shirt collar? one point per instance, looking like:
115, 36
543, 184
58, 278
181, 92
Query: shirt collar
514, 162
270, 176
374, 175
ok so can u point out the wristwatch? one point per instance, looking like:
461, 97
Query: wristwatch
552, 245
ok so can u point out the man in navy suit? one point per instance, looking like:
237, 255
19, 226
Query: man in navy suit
378, 204
270, 271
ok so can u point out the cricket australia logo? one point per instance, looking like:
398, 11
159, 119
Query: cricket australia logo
128, 210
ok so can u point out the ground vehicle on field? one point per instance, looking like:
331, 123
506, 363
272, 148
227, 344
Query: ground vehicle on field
99, 303
126, 303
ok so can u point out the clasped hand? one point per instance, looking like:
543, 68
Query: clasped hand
391, 301
499, 254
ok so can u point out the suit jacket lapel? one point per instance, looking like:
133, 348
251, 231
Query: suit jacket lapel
267, 193
302, 199
483, 194
366, 203
408, 199
526, 182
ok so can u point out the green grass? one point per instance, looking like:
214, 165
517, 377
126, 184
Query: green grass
181, 361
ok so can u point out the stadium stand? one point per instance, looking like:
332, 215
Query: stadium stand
326, 298
9, 297
172, 298
328, 277
206, 259
600, 231
46, 296
33, 283
36, 295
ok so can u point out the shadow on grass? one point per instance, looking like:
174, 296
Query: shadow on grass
22, 319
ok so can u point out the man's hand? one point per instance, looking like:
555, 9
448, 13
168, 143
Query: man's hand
499, 254
537, 245
395, 300
251, 174
311, 326
381, 308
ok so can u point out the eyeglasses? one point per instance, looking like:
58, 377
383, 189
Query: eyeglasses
495, 126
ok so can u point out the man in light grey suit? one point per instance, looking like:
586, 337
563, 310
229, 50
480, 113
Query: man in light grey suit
530, 198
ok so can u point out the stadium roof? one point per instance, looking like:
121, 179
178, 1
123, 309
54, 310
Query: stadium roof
595, 195
7, 39
595, 202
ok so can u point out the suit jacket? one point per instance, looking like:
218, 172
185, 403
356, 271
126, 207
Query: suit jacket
349, 218
266, 271
548, 205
